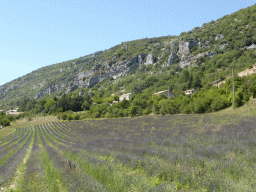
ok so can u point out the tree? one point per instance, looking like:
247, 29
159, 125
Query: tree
5, 122
125, 103
85, 106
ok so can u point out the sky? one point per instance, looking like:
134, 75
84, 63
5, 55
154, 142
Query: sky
37, 33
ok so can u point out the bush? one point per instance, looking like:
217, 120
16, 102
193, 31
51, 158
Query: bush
19, 116
120, 113
155, 109
219, 103
10, 117
96, 114
59, 110
77, 117
85, 106
30, 119
162, 111
5, 122
70, 117
109, 115
146, 111
64, 116
133, 110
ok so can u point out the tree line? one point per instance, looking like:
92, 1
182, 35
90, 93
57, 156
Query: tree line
204, 100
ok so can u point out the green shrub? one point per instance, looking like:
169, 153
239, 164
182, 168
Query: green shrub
77, 117
146, 111
64, 116
10, 117
19, 116
109, 115
85, 106
5, 122
70, 117
96, 114
162, 111
155, 109
59, 110
219, 103
133, 110
120, 113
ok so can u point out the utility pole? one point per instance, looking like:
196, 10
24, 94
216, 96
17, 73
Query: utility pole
233, 86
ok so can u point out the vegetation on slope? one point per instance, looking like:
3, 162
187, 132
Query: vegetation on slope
238, 30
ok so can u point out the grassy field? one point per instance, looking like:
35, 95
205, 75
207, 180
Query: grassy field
206, 152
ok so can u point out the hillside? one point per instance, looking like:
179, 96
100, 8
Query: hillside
192, 60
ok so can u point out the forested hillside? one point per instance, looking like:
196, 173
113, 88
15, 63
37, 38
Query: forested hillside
142, 67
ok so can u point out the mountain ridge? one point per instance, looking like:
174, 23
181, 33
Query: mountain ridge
199, 48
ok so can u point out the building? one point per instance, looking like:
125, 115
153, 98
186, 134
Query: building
189, 92
171, 94
127, 96
13, 112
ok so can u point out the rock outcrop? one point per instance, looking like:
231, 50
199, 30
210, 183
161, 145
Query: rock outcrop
88, 79
212, 53
247, 71
184, 47
219, 36
191, 59
149, 59
253, 46
172, 46
222, 46
141, 58
171, 58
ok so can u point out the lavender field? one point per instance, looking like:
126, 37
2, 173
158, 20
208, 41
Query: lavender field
149, 153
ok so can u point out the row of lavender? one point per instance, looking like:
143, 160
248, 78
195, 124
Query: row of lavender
143, 154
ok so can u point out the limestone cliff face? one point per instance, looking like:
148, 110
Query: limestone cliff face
184, 47
149, 59
88, 79
171, 58
191, 59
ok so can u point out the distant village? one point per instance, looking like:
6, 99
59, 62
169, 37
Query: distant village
126, 96
11, 112
169, 94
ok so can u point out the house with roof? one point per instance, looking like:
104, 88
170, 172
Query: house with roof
127, 96
13, 112
189, 92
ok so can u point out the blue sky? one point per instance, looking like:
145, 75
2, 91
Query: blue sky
37, 33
